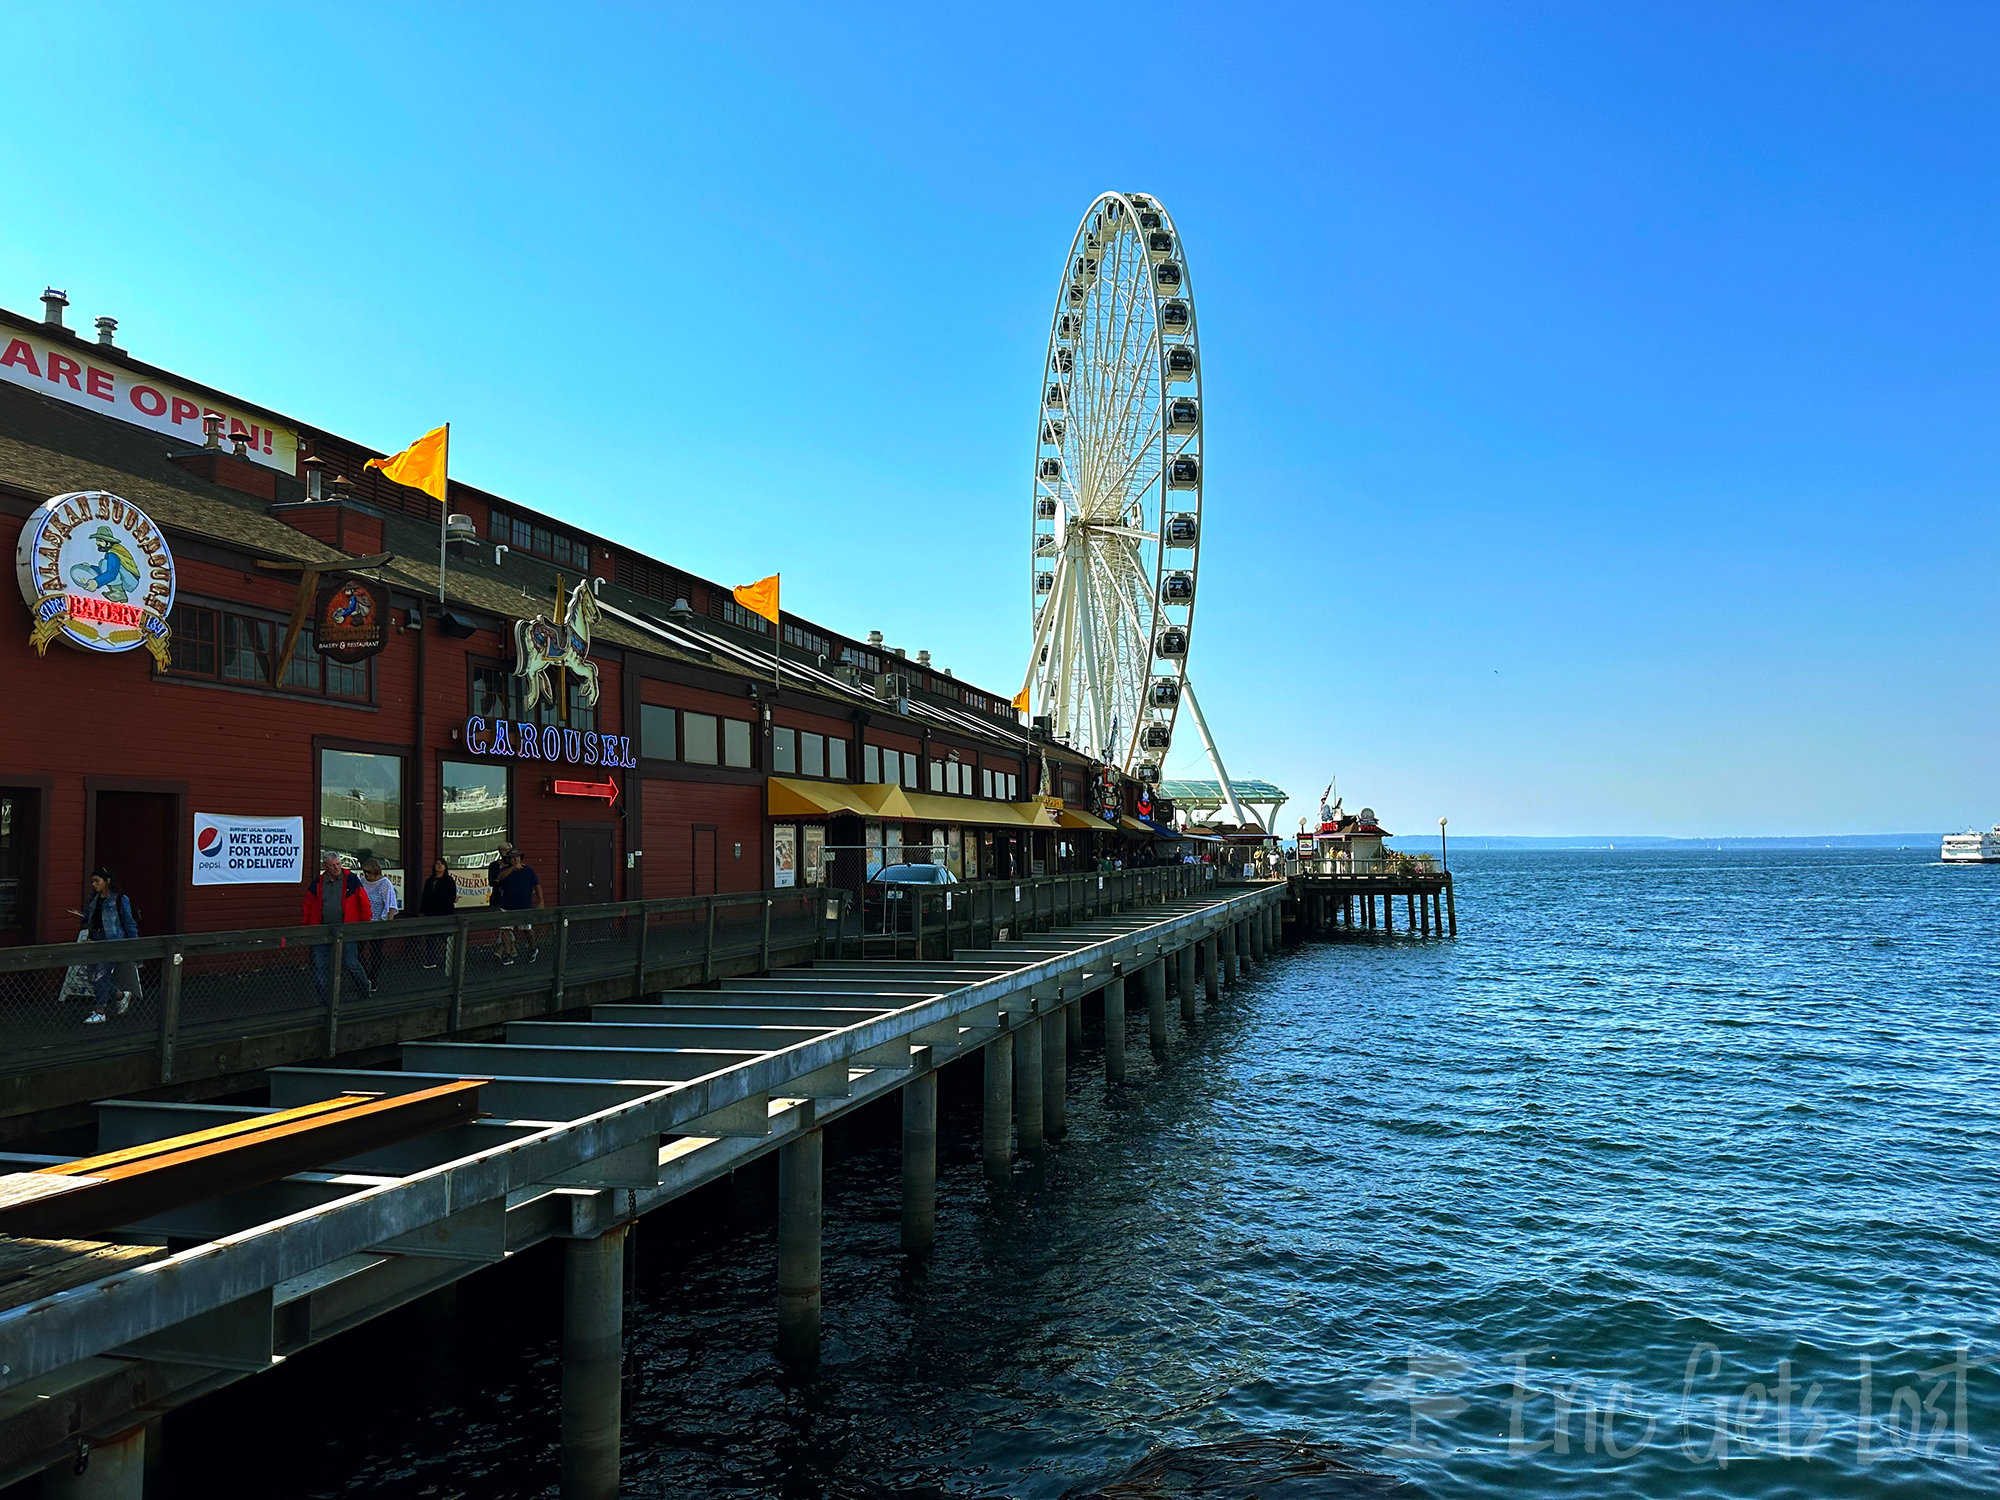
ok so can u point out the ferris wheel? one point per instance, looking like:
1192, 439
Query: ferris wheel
1115, 540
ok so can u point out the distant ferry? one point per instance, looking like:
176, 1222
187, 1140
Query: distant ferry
1974, 848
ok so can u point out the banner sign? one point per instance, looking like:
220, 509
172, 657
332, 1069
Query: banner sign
1052, 807
95, 570
548, 742
89, 376
248, 851
348, 621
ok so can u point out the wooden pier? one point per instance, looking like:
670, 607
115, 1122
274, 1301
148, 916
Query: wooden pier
1320, 905
589, 1125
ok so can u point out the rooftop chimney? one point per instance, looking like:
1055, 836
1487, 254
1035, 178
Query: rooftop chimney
875, 639
315, 468
107, 332
923, 658
211, 429
239, 443
53, 302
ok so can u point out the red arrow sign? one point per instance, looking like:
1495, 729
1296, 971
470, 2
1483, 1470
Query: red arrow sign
608, 790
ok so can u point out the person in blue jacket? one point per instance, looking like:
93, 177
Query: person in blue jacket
107, 917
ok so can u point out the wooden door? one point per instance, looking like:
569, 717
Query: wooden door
585, 874
706, 866
134, 836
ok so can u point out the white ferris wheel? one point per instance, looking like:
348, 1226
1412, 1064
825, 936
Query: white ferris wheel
1115, 541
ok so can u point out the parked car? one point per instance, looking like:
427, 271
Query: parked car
888, 903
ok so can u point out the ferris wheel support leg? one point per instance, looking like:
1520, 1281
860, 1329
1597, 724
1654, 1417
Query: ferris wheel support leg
1236, 812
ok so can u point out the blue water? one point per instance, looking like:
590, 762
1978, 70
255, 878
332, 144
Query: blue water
1640, 1187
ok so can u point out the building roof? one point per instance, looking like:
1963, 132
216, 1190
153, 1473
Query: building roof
1203, 793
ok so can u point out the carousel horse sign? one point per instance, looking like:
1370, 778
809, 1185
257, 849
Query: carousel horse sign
542, 647
97, 572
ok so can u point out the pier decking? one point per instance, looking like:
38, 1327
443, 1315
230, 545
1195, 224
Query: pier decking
591, 1124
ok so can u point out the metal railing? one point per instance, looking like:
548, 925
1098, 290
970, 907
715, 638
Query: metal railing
172, 994
933, 921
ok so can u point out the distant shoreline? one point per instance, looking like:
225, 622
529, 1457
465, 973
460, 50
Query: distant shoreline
1473, 841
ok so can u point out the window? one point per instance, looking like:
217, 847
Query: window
937, 775
246, 649
736, 742
1013, 787
909, 770
474, 823
784, 752
194, 640
985, 781
698, 739
523, 535
361, 810
867, 661
836, 759
812, 755
812, 863
871, 764
309, 672
735, 614
807, 640
657, 739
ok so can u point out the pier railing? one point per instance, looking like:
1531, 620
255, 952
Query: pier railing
197, 1003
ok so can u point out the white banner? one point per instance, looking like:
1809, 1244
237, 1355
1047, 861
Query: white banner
87, 376
248, 851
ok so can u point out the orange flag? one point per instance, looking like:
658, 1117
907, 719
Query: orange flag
760, 598
421, 465
1021, 700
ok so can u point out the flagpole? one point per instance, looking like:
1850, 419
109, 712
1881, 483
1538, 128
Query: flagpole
444, 513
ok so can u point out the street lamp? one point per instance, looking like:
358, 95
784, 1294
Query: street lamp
1444, 859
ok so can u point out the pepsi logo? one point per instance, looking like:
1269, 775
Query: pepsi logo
209, 841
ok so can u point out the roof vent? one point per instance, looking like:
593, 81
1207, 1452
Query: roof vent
211, 429
681, 612
875, 639
239, 443
923, 658
107, 332
53, 302
459, 528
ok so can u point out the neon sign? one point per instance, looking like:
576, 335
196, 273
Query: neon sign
549, 743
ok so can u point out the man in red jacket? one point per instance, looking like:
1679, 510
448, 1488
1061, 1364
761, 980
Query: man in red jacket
334, 898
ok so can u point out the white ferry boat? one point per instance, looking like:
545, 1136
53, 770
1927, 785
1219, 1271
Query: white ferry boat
1974, 848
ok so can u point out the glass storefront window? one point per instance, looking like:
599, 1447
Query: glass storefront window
872, 837
361, 810
473, 824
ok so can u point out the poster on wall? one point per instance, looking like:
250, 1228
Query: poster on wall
229, 850
784, 855
348, 621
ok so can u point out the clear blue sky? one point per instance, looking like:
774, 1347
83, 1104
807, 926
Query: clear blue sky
1601, 398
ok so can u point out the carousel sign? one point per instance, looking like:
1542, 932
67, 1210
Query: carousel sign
96, 572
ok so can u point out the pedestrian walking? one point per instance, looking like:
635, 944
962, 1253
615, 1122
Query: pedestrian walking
438, 898
382, 905
495, 870
520, 889
335, 897
107, 917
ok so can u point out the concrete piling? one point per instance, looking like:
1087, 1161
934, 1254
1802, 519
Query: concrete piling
1184, 980
1055, 1073
1211, 981
920, 1163
997, 1133
1232, 966
1114, 1031
593, 1359
799, 1206
1028, 1085
1073, 1026
1156, 1004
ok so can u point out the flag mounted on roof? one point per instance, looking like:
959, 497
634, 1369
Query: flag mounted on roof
421, 465
760, 598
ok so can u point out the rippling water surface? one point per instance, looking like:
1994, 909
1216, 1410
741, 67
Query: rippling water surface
1653, 1183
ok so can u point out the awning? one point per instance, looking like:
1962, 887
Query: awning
1071, 818
931, 807
1139, 825
787, 798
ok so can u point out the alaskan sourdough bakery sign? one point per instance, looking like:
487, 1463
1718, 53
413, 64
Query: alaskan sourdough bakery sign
347, 620
96, 572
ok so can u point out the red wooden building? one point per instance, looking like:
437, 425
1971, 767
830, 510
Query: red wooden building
156, 746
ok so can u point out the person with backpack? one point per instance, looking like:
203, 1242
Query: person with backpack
519, 890
107, 917
336, 897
